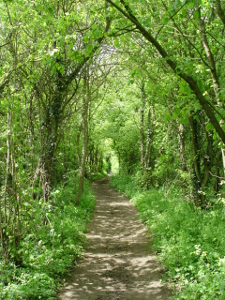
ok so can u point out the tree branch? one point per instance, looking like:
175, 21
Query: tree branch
220, 11
171, 17
187, 78
5, 44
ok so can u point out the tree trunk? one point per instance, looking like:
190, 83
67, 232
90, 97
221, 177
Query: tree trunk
183, 162
143, 96
197, 180
223, 158
85, 104
220, 11
173, 65
150, 134
202, 161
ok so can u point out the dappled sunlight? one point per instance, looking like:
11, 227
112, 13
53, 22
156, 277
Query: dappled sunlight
117, 263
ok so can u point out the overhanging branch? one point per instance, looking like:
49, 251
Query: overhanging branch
187, 78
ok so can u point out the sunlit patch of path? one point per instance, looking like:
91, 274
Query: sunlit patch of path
118, 263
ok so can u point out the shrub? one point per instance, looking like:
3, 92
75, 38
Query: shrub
51, 247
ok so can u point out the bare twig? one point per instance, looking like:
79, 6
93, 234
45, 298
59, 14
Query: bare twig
223, 178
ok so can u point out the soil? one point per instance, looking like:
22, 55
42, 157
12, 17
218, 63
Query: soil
118, 263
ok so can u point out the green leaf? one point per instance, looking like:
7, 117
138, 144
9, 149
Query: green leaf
196, 14
210, 127
86, 38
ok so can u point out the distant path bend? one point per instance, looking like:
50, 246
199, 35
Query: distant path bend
118, 264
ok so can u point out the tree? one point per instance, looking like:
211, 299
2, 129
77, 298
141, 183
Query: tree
178, 69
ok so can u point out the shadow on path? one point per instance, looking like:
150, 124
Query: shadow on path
118, 263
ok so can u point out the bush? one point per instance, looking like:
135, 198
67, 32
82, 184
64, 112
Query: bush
51, 247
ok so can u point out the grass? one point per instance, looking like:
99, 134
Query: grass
52, 246
190, 242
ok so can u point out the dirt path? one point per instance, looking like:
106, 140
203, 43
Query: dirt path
118, 263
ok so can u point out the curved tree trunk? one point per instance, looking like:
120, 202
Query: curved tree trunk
191, 81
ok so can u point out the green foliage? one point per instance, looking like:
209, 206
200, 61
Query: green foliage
50, 248
190, 242
96, 176
136, 105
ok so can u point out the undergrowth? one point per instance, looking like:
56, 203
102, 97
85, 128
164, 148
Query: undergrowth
190, 242
50, 246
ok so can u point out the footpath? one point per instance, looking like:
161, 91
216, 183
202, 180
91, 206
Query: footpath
118, 263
